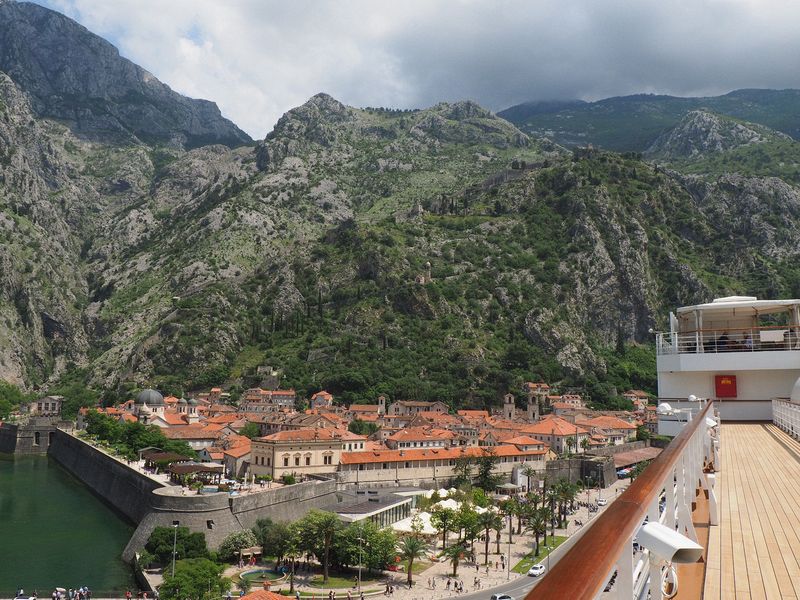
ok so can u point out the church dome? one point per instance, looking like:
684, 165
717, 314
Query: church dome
192, 402
182, 402
150, 397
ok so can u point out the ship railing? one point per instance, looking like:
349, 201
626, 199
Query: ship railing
786, 416
712, 341
609, 555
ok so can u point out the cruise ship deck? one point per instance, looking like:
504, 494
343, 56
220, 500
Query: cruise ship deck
754, 552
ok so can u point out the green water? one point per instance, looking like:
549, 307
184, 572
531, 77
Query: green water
55, 533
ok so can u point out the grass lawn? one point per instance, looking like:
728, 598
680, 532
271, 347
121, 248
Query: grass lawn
530, 560
339, 582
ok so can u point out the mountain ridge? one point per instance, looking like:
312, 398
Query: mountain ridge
77, 77
632, 123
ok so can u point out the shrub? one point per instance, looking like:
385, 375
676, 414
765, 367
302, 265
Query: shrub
236, 542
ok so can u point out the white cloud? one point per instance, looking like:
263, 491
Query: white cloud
257, 59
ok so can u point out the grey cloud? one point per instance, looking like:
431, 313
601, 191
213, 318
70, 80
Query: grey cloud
259, 59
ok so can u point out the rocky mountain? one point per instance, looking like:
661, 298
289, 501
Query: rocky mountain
632, 123
430, 253
434, 253
76, 77
700, 134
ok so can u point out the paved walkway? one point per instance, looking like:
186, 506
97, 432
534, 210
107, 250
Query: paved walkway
440, 571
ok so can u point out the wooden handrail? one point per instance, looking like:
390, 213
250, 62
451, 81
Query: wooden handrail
583, 571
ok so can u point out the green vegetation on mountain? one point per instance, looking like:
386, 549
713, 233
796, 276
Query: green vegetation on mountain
438, 253
632, 123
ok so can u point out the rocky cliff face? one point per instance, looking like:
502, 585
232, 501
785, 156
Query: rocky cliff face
75, 76
702, 133
436, 253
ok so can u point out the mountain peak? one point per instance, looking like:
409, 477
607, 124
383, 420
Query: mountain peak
701, 132
76, 76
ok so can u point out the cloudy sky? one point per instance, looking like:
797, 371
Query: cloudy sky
259, 58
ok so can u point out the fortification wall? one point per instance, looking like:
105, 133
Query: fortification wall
573, 469
125, 489
218, 515
209, 514
8, 438
285, 503
612, 450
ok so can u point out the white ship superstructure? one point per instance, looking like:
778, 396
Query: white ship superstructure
739, 351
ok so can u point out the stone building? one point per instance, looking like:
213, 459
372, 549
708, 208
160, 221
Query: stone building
302, 451
49, 406
412, 407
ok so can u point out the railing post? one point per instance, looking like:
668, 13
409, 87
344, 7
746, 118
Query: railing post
624, 582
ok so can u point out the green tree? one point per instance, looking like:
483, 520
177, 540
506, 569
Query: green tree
463, 471
537, 525
360, 427
235, 543
488, 521
530, 473
77, 394
455, 554
486, 477
11, 397
642, 433
571, 444
585, 443
443, 519
194, 579
272, 537
319, 529
187, 544
251, 430
410, 549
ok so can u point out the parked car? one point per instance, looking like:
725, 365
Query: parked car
602, 502
536, 570
501, 597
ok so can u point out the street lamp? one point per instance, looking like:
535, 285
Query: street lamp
508, 562
174, 544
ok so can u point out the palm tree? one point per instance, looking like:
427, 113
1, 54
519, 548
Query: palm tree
410, 549
552, 497
511, 508
534, 499
456, 553
530, 473
498, 527
489, 520
323, 526
571, 443
585, 443
537, 525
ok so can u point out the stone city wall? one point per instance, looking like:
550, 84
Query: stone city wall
284, 503
122, 487
8, 438
612, 450
217, 515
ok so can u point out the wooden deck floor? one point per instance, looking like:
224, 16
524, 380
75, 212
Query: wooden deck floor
755, 550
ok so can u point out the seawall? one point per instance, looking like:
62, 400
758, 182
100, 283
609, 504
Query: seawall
127, 490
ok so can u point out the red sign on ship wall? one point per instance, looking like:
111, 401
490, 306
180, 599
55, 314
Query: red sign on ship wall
725, 386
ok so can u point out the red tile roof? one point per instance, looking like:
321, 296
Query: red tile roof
350, 458
311, 434
421, 433
606, 422
553, 426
